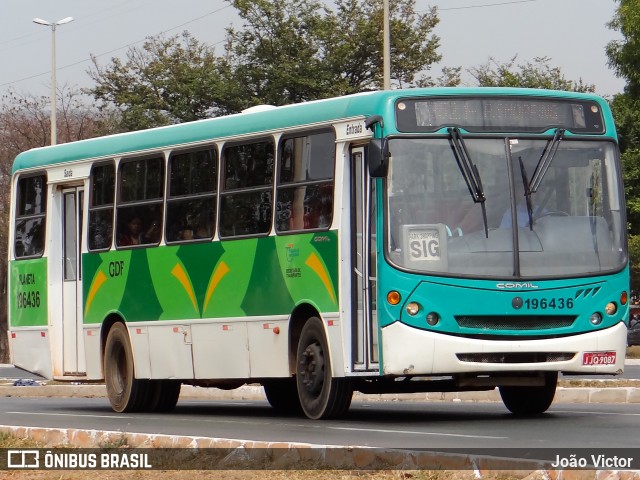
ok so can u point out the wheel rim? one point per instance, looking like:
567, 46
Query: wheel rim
312, 369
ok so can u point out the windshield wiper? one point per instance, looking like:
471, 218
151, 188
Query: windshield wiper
545, 160
531, 187
469, 172
527, 192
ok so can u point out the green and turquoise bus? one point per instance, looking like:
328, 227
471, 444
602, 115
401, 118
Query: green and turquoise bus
419, 240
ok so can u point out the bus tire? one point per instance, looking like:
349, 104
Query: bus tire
164, 395
321, 395
529, 401
282, 395
126, 393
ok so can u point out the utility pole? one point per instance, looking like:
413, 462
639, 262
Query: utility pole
386, 48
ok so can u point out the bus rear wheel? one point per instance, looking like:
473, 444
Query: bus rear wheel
163, 395
321, 395
528, 401
126, 393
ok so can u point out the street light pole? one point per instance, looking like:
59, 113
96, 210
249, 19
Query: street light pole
386, 48
54, 93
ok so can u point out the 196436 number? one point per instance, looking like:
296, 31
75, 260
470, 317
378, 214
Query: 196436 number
548, 303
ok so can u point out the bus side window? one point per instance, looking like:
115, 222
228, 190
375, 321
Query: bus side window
102, 194
140, 196
246, 199
305, 182
191, 197
30, 216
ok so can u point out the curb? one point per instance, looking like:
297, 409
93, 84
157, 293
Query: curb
244, 453
233, 454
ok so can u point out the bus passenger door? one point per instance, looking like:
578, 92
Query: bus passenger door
72, 342
363, 265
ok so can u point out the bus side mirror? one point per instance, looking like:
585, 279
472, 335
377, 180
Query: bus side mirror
378, 158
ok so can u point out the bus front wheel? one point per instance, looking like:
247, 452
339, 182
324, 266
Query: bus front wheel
321, 395
126, 393
282, 395
527, 401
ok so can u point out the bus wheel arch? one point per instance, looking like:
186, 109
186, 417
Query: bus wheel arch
107, 324
298, 318
321, 395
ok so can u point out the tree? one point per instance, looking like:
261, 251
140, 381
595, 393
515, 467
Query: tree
168, 80
624, 55
626, 111
287, 51
536, 74
275, 58
624, 58
292, 50
25, 124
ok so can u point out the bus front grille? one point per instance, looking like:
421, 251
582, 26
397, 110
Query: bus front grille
515, 322
516, 357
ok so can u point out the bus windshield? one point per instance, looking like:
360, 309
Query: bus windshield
569, 223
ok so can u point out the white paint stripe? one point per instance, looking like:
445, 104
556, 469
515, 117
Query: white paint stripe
411, 432
595, 412
115, 415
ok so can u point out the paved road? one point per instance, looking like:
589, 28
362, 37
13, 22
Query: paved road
631, 371
377, 424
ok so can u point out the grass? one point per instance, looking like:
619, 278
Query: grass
633, 352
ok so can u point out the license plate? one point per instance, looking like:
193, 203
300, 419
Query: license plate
599, 358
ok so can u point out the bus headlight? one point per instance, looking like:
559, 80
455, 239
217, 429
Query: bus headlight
596, 318
433, 318
413, 308
611, 308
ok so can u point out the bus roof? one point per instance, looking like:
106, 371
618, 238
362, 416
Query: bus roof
255, 121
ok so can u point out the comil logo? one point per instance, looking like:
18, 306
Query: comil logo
516, 285
23, 459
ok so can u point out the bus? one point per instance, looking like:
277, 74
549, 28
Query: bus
416, 240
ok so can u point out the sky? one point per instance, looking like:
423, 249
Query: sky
572, 33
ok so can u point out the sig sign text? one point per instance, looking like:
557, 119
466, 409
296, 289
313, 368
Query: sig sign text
424, 245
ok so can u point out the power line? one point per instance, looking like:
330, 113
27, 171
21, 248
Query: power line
31, 77
485, 5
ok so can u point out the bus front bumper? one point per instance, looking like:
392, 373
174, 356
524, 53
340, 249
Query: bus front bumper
407, 351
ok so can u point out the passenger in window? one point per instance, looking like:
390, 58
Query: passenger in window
317, 212
197, 226
135, 236
152, 235
283, 216
187, 233
201, 232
